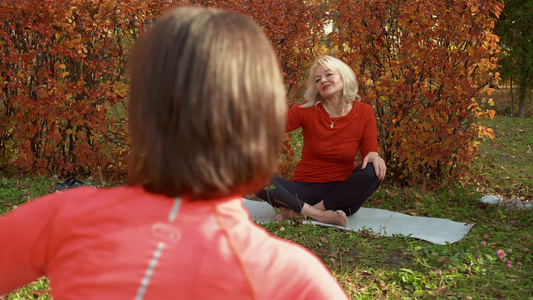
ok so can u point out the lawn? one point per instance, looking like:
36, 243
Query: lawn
369, 266
373, 267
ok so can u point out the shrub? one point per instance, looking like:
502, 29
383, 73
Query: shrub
422, 64
63, 69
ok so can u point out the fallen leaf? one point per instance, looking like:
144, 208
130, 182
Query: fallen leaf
382, 284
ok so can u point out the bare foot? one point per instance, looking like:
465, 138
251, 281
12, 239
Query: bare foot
337, 217
320, 205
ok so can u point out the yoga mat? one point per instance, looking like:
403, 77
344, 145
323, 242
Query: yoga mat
383, 222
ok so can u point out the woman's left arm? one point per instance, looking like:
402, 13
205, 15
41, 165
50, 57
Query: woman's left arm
378, 162
24, 236
369, 144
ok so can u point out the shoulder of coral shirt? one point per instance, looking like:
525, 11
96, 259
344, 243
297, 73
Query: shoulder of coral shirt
126, 243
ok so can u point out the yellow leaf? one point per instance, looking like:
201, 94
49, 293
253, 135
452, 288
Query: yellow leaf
418, 293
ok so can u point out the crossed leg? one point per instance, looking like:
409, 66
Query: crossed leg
328, 202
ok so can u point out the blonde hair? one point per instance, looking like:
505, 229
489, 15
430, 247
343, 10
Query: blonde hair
207, 105
349, 93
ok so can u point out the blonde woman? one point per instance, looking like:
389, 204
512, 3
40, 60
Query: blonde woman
336, 126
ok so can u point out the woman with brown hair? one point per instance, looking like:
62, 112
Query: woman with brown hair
206, 112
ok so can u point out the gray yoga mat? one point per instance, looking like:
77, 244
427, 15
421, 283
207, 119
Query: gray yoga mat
383, 222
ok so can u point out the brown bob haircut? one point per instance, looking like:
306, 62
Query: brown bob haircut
207, 105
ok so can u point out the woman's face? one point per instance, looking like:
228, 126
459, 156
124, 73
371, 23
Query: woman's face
328, 82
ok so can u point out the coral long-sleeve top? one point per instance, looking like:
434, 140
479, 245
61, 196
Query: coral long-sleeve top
328, 154
124, 243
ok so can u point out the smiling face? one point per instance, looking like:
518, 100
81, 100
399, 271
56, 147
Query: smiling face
328, 82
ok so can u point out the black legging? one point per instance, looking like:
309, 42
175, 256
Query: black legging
348, 195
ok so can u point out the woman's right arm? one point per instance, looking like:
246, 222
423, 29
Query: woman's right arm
294, 118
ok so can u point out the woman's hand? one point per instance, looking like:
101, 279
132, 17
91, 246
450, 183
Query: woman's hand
379, 164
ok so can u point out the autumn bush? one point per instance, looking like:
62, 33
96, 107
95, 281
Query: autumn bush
63, 75
421, 64
63, 70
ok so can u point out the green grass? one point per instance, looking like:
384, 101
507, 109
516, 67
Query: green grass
14, 192
369, 266
507, 161
38, 290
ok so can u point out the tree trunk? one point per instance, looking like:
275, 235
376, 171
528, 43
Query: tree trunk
521, 103
522, 91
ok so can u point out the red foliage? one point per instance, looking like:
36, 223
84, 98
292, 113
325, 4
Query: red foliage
63, 69
421, 64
